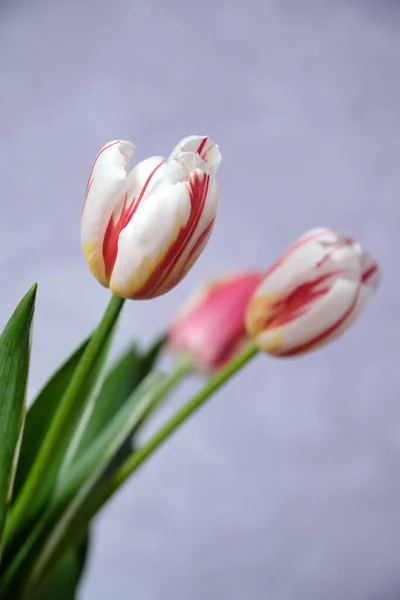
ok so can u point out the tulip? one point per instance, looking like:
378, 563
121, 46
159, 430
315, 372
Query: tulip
143, 229
312, 293
210, 330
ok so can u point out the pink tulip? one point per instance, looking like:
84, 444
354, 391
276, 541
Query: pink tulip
210, 330
312, 293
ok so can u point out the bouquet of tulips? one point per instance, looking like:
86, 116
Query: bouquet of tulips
142, 230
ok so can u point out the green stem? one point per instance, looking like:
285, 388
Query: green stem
138, 457
63, 417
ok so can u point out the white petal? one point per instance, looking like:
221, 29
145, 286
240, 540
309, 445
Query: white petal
313, 256
202, 145
149, 174
106, 187
141, 173
364, 296
148, 235
207, 216
190, 162
339, 303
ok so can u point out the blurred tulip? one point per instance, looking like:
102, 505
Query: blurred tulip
142, 230
210, 330
312, 293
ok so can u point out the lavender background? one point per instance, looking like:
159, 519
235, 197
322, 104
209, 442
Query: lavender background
287, 485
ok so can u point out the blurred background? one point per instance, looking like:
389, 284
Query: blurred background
287, 485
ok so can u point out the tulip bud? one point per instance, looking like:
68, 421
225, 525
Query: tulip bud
142, 230
210, 330
312, 293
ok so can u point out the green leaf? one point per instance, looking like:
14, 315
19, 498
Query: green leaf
82, 552
81, 497
128, 372
41, 412
117, 388
118, 385
60, 435
64, 448
14, 366
37, 421
63, 582
78, 491
123, 378
94, 461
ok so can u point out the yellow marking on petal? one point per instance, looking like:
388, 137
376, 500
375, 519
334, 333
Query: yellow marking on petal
261, 307
90, 251
274, 344
178, 271
142, 274
137, 280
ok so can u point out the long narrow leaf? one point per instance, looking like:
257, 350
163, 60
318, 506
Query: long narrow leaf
127, 373
63, 582
14, 366
41, 412
37, 421
119, 383
124, 377
106, 445
86, 397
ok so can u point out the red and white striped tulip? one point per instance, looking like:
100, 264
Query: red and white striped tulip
312, 293
143, 229
210, 330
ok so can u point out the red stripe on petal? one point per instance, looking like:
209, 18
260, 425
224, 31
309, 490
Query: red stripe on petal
201, 146
345, 242
298, 302
110, 241
322, 337
369, 273
293, 248
189, 261
158, 280
205, 153
202, 238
